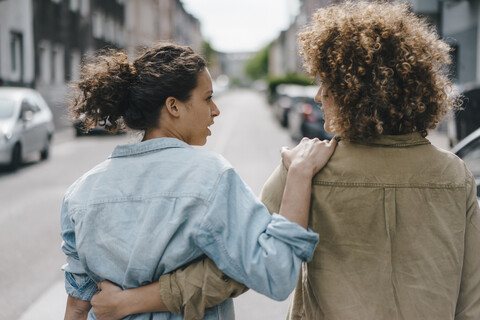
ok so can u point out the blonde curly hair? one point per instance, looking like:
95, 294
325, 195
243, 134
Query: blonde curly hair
387, 69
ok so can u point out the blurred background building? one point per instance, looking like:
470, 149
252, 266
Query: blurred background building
456, 20
147, 21
42, 42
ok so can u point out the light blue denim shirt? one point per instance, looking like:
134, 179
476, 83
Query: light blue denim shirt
154, 206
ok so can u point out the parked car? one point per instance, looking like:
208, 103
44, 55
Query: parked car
287, 96
26, 126
469, 150
79, 127
467, 119
306, 118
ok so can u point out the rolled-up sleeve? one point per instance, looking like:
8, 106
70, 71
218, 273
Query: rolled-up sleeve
260, 250
301, 243
77, 283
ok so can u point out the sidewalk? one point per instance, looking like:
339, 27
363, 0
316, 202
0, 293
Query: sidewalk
50, 306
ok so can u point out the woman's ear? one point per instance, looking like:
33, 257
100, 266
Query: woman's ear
171, 107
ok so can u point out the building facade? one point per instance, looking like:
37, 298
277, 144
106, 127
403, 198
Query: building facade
64, 32
147, 21
17, 54
42, 42
457, 21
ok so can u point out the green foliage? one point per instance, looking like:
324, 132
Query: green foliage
236, 82
209, 53
291, 78
257, 67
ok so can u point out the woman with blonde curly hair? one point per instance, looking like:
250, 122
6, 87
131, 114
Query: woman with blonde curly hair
398, 218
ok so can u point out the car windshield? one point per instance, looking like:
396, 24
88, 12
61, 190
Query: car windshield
6, 108
471, 155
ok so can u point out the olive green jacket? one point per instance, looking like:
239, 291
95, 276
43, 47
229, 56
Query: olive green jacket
399, 228
198, 286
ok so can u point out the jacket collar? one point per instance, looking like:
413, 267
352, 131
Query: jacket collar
397, 141
151, 145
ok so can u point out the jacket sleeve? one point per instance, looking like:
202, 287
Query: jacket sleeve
199, 286
272, 191
77, 283
260, 250
468, 304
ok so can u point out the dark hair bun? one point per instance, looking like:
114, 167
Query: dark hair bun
113, 92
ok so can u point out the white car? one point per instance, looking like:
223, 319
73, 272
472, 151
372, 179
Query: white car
469, 150
26, 126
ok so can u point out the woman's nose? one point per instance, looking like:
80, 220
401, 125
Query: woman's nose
215, 110
318, 96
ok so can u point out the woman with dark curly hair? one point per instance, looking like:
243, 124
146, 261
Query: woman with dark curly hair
156, 205
398, 218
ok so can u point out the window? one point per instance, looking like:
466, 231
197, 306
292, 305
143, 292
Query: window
109, 29
57, 64
75, 60
74, 5
53, 65
85, 7
44, 60
1, 81
15, 50
7, 107
16, 55
97, 25
455, 63
27, 110
119, 37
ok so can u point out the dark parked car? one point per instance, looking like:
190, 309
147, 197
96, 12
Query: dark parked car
79, 127
306, 118
287, 96
467, 119
469, 150
26, 126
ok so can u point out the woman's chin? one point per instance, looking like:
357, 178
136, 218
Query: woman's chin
199, 142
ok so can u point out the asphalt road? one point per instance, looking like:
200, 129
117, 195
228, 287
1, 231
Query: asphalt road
31, 282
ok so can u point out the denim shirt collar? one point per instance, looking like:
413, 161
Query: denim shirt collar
126, 150
397, 141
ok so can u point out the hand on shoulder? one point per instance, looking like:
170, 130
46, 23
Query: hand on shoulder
309, 156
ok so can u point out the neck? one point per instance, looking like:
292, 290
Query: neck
155, 133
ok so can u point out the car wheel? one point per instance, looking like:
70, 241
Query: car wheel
45, 151
16, 159
79, 132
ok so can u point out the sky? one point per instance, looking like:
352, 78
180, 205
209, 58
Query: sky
242, 25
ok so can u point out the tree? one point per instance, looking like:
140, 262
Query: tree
209, 53
257, 67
